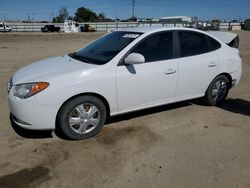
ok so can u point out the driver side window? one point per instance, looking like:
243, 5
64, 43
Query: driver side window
156, 47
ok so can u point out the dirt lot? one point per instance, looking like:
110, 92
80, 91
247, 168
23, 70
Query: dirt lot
181, 145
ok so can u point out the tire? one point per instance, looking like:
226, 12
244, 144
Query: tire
217, 91
82, 117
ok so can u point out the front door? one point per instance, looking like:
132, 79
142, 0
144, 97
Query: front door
153, 82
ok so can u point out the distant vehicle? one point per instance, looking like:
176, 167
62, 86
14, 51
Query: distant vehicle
87, 28
208, 26
50, 28
4, 28
71, 27
124, 71
246, 25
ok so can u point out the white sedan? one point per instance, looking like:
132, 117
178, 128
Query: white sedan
123, 71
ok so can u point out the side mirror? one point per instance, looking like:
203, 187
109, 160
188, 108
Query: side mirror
134, 58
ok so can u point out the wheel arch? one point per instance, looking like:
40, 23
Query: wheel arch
228, 76
224, 74
103, 99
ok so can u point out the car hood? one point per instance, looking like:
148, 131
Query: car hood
49, 68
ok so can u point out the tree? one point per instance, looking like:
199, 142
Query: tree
85, 15
62, 15
101, 17
70, 18
216, 20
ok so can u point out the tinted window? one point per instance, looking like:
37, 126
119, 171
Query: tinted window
104, 49
192, 43
1, 25
214, 45
156, 47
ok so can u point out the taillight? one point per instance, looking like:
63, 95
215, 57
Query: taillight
235, 43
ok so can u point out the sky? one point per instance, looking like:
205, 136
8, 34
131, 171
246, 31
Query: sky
203, 9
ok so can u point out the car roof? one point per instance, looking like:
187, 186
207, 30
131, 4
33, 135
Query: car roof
153, 29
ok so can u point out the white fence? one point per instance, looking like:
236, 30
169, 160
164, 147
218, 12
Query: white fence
99, 26
106, 26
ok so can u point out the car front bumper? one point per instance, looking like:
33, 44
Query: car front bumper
30, 114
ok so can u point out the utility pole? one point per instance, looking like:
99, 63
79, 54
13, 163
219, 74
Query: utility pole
52, 15
28, 14
115, 15
4, 17
33, 17
133, 9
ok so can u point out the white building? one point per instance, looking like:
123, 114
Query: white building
178, 19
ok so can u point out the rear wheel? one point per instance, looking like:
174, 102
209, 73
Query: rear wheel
217, 91
82, 117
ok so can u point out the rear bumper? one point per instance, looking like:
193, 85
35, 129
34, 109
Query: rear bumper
236, 76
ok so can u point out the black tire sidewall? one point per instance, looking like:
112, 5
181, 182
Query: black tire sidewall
208, 96
64, 113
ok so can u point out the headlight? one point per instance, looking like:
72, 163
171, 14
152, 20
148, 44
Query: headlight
24, 91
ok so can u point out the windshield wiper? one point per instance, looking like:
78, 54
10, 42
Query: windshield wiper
80, 58
86, 59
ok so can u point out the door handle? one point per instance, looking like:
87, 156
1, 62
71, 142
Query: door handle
170, 71
212, 64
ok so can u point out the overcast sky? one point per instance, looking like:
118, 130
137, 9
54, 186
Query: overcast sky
204, 9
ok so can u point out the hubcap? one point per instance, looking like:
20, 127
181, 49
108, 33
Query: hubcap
219, 90
84, 118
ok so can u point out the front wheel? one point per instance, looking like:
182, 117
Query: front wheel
82, 117
217, 91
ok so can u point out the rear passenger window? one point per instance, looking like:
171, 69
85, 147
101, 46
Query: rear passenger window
215, 45
192, 43
156, 47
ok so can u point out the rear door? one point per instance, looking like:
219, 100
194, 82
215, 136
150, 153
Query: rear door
198, 64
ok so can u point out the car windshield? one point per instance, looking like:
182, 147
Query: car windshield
106, 48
